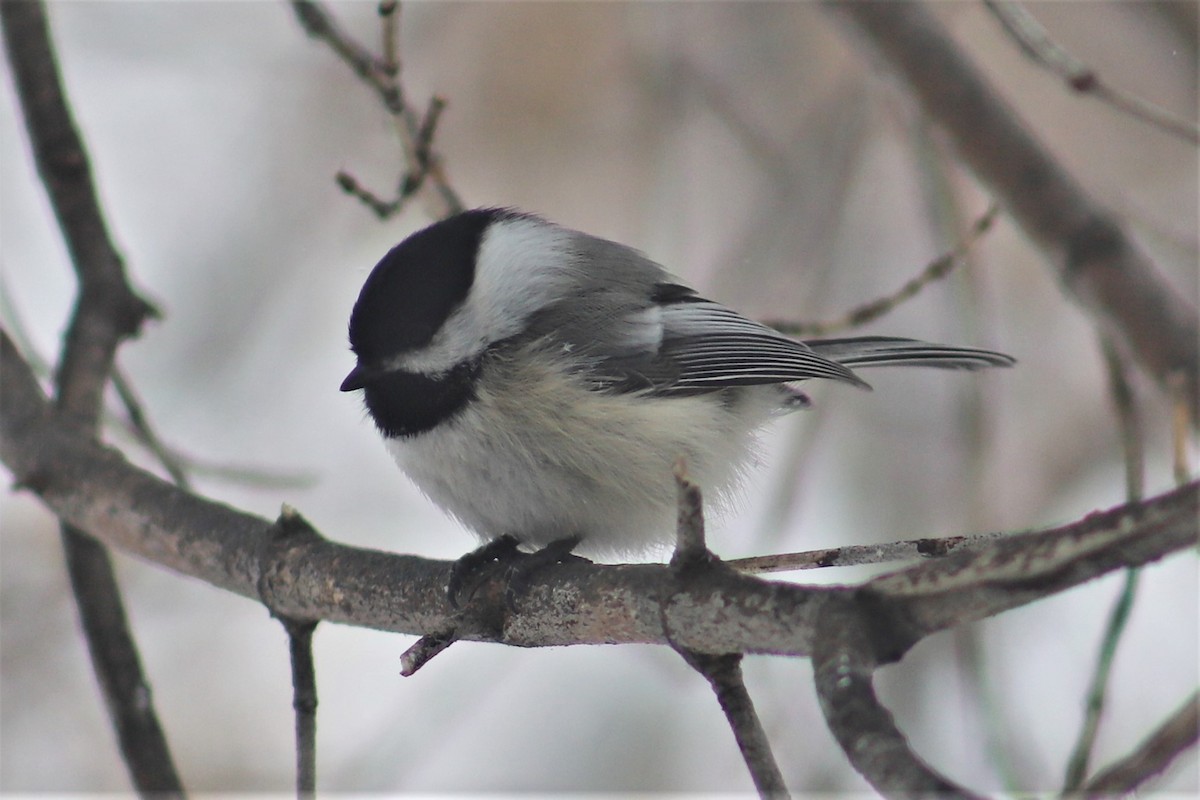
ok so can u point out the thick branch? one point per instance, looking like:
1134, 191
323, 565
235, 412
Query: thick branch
1097, 260
106, 311
844, 662
93, 487
1025, 567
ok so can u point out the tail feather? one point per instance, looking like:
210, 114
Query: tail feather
884, 351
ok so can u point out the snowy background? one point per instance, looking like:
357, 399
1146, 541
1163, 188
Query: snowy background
753, 151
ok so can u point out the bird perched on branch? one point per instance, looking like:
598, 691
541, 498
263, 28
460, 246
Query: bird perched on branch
539, 383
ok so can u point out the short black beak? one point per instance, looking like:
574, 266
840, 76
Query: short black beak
357, 379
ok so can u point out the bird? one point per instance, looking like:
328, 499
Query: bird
539, 383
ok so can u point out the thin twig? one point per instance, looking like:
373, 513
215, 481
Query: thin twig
936, 270
859, 554
304, 703
135, 422
724, 674
382, 208
422, 650
1178, 733
389, 15
382, 75
251, 475
1129, 424
690, 561
1036, 43
320, 24
1183, 422
1098, 688
690, 545
144, 431
292, 530
1133, 447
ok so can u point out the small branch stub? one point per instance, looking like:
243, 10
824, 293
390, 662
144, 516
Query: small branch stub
690, 546
290, 530
423, 650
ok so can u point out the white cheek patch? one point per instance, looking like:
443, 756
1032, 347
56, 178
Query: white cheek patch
522, 265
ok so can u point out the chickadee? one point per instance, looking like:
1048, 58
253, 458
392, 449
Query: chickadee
540, 383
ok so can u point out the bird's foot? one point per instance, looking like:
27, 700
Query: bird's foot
468, 567
519, 567
520, 571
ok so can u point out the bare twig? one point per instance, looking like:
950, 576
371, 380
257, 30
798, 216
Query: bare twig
382, 208
690, 562
422, 650
690, 546
293, 530
144, 431
107, 311
382, 75
320, 24
1128, 422
252, 475
860, 554
304, 703
422, 151
1036, 43
136, 423
1098, 688
1176, 735
1133, 444
1096, 259
1183, 421
724, 674
389, 15
936, 270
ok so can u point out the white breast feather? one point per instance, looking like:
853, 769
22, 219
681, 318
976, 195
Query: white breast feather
533, 476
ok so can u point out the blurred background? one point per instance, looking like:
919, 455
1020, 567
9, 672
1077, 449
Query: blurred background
755, 151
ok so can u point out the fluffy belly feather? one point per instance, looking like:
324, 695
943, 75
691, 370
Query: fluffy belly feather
541, 465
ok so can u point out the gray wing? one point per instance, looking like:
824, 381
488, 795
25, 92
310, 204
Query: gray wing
631, 329
679, 344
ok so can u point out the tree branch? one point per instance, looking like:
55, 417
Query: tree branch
1097, 261
693, 561
1036, 43
724, 675
715, 611
858, 554
844, 660
93, 487
382, 75
106, 311
872, 310
1178, 733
